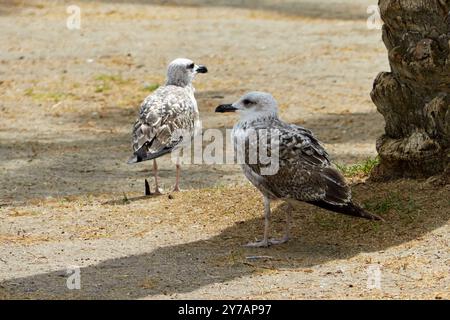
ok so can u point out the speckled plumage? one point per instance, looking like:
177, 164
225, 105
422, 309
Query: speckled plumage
162, 114
305, 172
168, 118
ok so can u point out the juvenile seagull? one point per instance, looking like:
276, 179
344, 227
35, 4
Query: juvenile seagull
305, 172
171, 109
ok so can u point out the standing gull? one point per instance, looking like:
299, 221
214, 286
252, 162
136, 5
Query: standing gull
305, 173
163, 115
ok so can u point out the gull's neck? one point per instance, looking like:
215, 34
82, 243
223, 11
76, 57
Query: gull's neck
252, 118
189, 86
178, 82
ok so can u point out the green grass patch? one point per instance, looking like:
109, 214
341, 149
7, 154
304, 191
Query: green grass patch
102, 88
117, 79
47, 96
359, 169
151, 87
405, 206
326, 222
107, 81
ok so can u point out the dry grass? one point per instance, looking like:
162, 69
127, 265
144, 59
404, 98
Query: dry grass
213, 210
75, 110
210, 225
23, 239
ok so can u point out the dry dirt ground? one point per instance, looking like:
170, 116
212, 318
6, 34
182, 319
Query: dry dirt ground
67, 198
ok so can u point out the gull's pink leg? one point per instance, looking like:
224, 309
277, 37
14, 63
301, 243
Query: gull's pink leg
176, 188
155, 173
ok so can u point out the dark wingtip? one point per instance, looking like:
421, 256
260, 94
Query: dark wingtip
350, 209
377, 218
367, 215
147, 188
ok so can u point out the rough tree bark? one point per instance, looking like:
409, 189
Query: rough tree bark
414, 97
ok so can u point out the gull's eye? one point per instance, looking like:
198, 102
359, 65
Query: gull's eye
191, 66
247, 102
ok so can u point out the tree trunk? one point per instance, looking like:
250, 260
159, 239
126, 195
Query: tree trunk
414, 97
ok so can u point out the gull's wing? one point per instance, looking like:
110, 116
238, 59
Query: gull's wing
305, 171
165, 118
301, 143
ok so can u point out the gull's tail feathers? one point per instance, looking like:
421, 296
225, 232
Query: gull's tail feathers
350, 209
142, 154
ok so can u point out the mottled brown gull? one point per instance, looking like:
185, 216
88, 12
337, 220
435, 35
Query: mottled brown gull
304, 172
166, 116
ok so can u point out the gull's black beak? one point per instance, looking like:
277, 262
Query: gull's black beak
225, 108
202, 69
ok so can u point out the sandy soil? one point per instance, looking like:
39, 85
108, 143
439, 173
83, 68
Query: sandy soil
68, 98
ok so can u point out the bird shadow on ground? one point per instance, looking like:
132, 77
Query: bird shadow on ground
95, 161
318, 237
8, 7
355, 127
125, 201
304, 8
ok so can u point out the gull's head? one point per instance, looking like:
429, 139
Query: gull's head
181, 72
252, 105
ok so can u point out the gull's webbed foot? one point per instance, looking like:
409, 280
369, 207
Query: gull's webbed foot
266, 243
278, 241
258, 244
